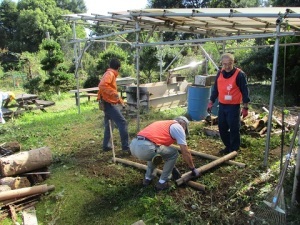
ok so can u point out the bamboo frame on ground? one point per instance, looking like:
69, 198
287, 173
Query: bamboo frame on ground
195, 185
187, 176
207, 156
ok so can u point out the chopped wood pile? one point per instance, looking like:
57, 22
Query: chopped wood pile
22, 173
255, 124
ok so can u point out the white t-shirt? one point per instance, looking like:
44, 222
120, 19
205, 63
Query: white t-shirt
178, 133
3, 96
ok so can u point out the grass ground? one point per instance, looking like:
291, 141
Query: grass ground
90, 189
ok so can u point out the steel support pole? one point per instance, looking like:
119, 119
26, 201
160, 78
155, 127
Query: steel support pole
271, 102
137, 58
77, 94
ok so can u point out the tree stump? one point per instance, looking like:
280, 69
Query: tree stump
25, 161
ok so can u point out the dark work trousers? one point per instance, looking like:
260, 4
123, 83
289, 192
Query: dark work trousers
112, 112
229, 123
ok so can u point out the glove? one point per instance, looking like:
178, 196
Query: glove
195, 172
244, 112
209, 106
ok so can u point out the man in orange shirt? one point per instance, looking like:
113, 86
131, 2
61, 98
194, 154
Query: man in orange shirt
108, 97
155, 140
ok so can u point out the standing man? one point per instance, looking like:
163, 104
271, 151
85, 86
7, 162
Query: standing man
232, 89
5, 97
154, 141
109, 98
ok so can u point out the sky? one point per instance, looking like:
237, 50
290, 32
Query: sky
105, 6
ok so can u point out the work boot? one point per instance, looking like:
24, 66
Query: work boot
106, 149
146, 182
224, 151
157, 159
161, 187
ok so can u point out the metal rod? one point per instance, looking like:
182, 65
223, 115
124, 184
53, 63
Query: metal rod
137, 50
208, 56
105, 36
203, 40
274, 71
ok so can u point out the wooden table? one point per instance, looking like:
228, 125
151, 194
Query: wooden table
27, 102
89, 92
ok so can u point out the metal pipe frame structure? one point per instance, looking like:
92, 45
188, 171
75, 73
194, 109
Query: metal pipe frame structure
137, 21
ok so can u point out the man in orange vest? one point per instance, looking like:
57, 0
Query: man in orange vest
153, 143
109, 98
232, 89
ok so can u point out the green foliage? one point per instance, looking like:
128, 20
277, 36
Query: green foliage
24, 25
113, 51
57, 72
75, 6
290, 3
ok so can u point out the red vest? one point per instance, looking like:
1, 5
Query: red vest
159, 132
228, 87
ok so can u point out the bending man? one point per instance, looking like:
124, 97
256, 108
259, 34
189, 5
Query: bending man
154, 141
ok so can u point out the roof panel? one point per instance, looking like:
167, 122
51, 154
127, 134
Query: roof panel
212, 21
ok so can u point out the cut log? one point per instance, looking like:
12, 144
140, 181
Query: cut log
211, 132
25, 161
263, 131
207, 156
4, 188
192, 184
13, 146
15, 182
19, 193
187, 176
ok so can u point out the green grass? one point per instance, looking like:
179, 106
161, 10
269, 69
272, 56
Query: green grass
90, 189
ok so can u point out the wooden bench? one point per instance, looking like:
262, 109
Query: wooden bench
91, 92
89, 95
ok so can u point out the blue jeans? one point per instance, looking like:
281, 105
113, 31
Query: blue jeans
229, 123
146, 150
112, 112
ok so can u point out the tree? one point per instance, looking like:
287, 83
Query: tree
36, 18
202, 3
113, 51
8, 18
75, 6
290, 3
53, 64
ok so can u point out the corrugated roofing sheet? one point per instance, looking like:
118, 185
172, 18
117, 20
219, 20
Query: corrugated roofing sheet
206, 21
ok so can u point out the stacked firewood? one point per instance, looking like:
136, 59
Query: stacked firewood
21, 175
255, 124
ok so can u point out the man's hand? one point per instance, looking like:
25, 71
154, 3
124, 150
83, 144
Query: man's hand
195, 172
209, 106
244, 112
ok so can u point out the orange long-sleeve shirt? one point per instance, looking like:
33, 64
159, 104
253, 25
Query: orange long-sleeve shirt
108, 87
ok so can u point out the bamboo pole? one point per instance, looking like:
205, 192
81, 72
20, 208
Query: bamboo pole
273, 117
207, 156
187, 176
112, 141
19, 193
192, 184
